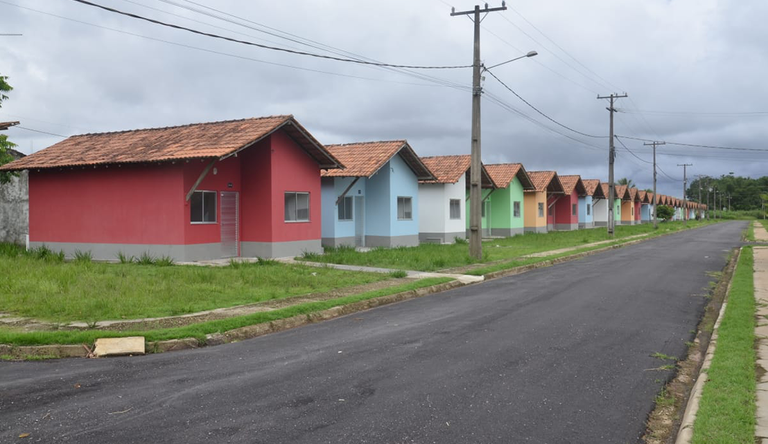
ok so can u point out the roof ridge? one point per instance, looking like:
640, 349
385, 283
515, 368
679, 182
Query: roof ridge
162, 128
366, 143
446, 155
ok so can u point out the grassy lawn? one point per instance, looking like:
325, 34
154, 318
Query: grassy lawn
200, 330
431, 257
45, 287
727, 410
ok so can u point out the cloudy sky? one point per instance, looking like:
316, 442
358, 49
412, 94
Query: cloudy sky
694, 70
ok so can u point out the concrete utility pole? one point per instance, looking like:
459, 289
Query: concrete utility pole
655, 219
701, 210
685, 188
729, 203
475, 191
611, 158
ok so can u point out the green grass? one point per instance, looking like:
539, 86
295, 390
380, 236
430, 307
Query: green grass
749, 234
42, 286
727, 409
431, 257
200, 330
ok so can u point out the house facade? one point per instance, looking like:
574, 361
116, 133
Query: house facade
374, 200
443, 201
14, 205
192, 192
566, 208
589, 202
538, 201
506, 213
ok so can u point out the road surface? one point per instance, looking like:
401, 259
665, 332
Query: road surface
556, 355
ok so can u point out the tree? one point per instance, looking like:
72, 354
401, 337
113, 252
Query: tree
628, 182
5, 144
664, 212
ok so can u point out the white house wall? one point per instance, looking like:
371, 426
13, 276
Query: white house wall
435, 224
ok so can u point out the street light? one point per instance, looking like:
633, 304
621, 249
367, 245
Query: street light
530, 54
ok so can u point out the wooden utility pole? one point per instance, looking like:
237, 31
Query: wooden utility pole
611, 158
685, 187
475, 190
655, 219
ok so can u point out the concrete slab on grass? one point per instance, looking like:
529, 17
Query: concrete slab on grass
132, 345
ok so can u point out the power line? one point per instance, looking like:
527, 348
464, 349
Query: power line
713, 147
693, 113
39, 131
259, 45
630, 151
539, 111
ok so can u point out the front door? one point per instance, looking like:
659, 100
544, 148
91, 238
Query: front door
229, 224
359, 221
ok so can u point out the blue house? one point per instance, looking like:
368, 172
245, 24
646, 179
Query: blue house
587, 202
374, 201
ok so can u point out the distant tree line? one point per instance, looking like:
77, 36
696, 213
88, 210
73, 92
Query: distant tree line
746, 193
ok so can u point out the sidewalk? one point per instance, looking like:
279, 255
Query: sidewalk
761, 335
761, 235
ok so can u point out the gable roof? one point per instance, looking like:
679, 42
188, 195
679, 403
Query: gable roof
633, 194
573, 182
593, 188
546, 181
642, 195
621, 192
6, 125
198, 140
364, 159
449, 169
504, 173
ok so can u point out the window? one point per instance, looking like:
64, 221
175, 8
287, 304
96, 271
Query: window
589, 209
573, 209
482, 210
541, 209
633, 210
455, 208
296, 207
516, 209
202, 207
404, 211
345, 208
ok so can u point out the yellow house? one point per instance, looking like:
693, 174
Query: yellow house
627, 205
546, 190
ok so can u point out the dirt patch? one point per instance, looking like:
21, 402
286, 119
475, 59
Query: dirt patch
664, 421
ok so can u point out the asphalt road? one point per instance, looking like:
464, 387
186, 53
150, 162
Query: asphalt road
556, 355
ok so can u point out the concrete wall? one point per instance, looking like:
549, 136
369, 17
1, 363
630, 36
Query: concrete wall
332, 227
600, 212
534, 223
586, 220
645, 212
14, 209
503, 221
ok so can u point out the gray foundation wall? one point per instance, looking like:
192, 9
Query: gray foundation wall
566, 227
583, 225
392, 241
601, 223
440, 238
279, 249
507, 232
535, 229
334, 242
110, 252
14, 209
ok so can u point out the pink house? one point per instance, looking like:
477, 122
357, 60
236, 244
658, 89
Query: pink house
246, 187
566, 209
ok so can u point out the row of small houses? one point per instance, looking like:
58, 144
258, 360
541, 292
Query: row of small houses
266, 187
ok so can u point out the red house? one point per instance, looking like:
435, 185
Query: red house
246, 187
566, 208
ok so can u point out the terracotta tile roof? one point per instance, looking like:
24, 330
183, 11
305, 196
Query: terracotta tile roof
199, 140
449, 169
364, 159
504, 173
593, 186
571, 182
6, 125
621, 192
546, 181
633, 194
643, 196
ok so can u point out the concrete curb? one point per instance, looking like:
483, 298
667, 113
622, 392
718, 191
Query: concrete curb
685, 432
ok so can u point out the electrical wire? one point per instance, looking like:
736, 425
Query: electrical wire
39, 131
259, 45
694, 145
631, 152
539, 111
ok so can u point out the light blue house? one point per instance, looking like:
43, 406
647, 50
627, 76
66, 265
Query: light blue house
587, 202
646, 207
374, 201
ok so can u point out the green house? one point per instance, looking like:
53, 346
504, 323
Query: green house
505, 212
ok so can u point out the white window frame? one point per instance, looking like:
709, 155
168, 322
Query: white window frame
574, 210
541, 209
457, 203
309, 206
215, 208
345, 205
405, 199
